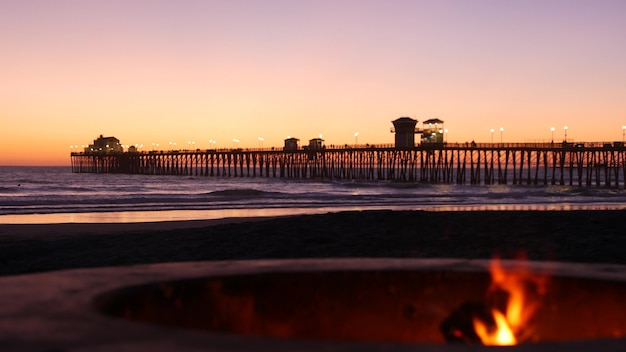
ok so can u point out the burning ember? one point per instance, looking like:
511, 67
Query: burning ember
504, 317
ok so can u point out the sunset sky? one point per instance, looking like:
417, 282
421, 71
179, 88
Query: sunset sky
150, 71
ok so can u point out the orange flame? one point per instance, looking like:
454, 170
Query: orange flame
502, 335
524, 290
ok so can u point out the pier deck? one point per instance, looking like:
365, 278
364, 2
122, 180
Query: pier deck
581, 164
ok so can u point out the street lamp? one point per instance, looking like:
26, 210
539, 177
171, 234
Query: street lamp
492, 135
565, 129
235, 141
261, 142
172, 145
501, 130
356, 138
623, 133
552, 130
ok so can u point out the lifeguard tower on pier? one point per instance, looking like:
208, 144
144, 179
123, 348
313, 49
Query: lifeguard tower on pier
405, 131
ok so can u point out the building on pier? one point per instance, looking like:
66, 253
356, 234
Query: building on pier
432, 131
291, 144
105, 145
316, 144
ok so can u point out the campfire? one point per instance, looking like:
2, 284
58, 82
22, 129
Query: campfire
504, 316
388, 301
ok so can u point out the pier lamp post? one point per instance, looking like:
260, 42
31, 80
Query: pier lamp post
212, 142
552, 130
501, 130
356, 138
190, 144
623, 134
492, 135
261, 142
235, 142
172, 145
565, 129
445, 135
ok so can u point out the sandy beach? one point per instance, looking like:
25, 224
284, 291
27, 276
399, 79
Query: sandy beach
569, 236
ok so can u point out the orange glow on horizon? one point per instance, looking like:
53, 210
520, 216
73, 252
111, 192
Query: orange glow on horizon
216, 71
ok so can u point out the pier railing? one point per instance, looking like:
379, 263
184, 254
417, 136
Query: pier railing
576, 164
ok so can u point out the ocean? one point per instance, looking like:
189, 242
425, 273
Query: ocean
56, 195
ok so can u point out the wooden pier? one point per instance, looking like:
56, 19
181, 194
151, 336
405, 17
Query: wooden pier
581, 164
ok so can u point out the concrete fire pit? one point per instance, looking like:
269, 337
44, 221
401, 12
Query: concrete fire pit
289, 305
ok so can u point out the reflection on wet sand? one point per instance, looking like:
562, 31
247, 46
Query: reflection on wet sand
184, 215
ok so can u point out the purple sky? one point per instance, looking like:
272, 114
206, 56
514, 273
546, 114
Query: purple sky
162, 71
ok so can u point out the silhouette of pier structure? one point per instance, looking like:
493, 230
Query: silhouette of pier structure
433, 160
581, 164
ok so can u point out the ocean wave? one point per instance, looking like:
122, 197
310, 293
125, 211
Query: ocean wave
50, 190
10, 189
246, 192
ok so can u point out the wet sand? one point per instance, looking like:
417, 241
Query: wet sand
570, 236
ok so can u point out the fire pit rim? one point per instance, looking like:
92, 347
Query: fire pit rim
67, 296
